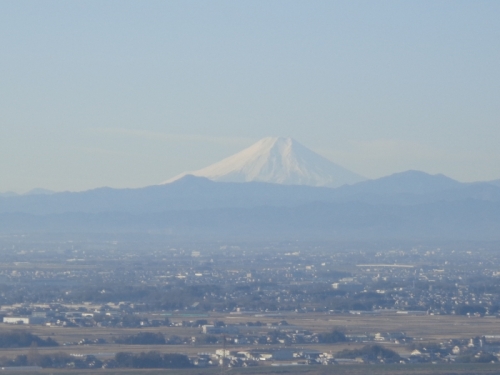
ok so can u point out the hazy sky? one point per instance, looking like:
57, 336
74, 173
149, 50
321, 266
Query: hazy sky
130, 93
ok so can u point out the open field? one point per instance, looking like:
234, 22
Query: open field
426, 328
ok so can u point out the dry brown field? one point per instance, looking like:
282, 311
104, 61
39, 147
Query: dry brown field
427, 328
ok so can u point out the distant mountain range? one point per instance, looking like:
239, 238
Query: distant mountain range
275, 189
197, 193
37, 191
404, 205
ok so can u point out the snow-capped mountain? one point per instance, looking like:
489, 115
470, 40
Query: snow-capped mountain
280, 161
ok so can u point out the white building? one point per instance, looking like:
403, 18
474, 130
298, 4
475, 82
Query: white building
16, 320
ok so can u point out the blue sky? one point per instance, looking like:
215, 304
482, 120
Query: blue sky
131, 93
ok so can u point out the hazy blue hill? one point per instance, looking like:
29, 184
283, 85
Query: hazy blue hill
409, 182
494, 182
39, 191
196, 193
187, 193
36, 191
409, 205
479, 191
459, 220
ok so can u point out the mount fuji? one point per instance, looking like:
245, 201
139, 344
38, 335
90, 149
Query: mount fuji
280, 161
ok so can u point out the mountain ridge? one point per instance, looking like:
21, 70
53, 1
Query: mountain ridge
407, 205
192, 193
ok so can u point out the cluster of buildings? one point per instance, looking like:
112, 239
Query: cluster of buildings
283, 278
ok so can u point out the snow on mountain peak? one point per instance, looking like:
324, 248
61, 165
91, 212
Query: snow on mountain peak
277, 160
